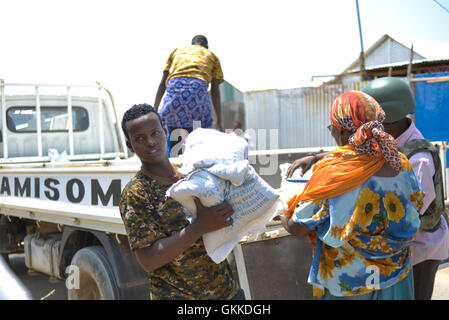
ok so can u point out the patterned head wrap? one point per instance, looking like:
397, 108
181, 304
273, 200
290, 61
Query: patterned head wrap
361, 114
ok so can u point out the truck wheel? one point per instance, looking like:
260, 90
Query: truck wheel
96, 277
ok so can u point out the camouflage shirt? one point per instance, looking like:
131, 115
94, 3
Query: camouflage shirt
149, 216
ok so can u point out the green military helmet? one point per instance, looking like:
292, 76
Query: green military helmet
394, 96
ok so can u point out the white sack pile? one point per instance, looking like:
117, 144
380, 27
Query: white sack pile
217, 170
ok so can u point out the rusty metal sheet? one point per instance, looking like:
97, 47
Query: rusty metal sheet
278, 268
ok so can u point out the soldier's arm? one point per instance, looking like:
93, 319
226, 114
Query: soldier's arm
165, 250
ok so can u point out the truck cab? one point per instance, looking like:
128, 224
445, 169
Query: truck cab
63, 164
85, 127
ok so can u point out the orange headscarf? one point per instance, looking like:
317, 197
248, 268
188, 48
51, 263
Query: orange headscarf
350, 166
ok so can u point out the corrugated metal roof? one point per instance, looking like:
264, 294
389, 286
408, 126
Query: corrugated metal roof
420, 63
371, 50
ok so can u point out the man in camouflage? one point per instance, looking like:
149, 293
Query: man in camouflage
167, 245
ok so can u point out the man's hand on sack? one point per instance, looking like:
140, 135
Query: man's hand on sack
166, 249
213, 218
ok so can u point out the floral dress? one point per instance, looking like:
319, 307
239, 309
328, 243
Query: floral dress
361, 239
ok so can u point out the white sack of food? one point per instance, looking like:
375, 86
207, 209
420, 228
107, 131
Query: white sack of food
254, 201
205, 147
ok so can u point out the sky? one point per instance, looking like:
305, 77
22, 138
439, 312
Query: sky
261, 44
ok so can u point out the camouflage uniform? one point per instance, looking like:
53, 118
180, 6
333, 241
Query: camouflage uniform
148, 216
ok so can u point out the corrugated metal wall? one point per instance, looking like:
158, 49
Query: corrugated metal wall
231, 106
299, 115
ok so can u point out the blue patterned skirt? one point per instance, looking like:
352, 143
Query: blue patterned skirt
402, 290
186, 100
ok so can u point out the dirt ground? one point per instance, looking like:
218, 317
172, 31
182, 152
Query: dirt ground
441, 288
40, 286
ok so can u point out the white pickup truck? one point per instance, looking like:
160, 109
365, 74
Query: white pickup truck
61, 180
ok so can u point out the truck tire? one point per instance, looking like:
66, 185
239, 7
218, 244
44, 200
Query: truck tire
96, 276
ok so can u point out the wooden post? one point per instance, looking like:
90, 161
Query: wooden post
409, 68
412, 86
410, 77
362, 53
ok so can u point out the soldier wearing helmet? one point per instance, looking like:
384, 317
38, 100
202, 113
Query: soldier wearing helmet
431, 244
396, 98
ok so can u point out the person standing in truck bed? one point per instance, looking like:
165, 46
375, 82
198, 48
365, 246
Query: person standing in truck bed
166, 244
185, 81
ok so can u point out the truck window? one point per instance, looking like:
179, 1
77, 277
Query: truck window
53, 119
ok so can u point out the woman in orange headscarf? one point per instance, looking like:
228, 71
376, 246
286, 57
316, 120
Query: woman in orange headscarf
359, 208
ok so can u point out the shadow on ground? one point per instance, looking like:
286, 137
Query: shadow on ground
38, 284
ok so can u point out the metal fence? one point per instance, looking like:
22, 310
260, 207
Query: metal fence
299, 115
297, 118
